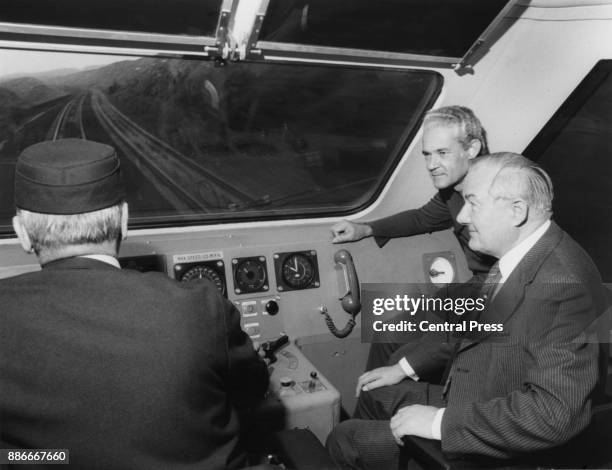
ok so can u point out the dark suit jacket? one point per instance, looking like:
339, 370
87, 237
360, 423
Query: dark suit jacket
439, 213
126, 370
531, 388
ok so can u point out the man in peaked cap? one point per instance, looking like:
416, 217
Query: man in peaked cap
126, 370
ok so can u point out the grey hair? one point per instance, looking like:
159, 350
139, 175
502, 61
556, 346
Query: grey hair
53, 231
466, 120
517, 176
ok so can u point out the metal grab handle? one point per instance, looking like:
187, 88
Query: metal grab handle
351, 301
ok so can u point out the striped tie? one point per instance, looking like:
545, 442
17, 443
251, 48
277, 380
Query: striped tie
489, 288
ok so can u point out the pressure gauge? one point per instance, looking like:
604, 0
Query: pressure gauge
441, 271
250, 275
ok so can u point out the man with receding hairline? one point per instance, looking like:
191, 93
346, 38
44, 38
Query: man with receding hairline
524, 393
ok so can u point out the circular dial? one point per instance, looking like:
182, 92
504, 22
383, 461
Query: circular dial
250, 275
441, 271
298, 271
204, 272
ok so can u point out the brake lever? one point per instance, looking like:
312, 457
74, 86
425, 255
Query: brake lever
270, 347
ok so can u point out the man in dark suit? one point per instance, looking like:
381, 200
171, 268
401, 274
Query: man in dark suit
517, 393
125, 370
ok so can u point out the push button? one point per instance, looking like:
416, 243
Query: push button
249, 309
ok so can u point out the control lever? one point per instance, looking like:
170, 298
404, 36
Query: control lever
270, 347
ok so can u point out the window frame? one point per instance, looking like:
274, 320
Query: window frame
563, 116
404, 141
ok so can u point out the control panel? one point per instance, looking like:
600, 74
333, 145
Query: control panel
254, 283
294, 270
258, 286
309, 399
261, 317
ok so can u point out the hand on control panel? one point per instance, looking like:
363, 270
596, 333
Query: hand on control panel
260, 352
269, 348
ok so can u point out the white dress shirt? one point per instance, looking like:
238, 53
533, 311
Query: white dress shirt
104, 258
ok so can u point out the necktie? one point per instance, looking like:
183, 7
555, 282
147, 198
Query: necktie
489, 288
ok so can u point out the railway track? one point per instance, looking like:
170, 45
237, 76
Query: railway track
179, 175
69, 121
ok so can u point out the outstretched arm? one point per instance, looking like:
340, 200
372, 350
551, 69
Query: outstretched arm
431, 217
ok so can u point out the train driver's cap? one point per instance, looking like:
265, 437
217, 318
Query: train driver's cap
68, 176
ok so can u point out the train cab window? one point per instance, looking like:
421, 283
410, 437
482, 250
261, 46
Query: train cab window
441, 28
202, 143
575, 147
189, 17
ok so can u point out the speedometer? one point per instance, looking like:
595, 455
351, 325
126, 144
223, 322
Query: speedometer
201, 271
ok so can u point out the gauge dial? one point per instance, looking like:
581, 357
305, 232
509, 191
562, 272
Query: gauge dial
298, 271
204, 272
441, 271
250, 275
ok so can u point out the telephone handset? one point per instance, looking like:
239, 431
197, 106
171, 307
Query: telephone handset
351, 299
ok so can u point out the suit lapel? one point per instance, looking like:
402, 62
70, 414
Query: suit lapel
512, 292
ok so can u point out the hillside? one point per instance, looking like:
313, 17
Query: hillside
31, 90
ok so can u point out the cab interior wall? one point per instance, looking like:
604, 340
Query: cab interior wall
514, 89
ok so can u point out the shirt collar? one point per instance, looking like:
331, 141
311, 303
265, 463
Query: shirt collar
105, 259
510, 260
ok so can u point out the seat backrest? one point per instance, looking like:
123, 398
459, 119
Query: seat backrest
299, 449
600, 434
595, 448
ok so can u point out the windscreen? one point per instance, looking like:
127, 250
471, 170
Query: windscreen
445, 28
201, 143
184, 17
